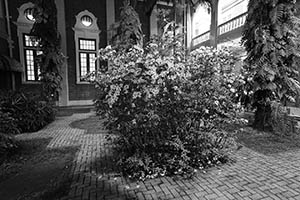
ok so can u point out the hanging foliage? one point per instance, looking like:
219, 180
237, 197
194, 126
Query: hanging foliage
271, 39
51, 59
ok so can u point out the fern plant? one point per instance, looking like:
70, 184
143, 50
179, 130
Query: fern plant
270, 37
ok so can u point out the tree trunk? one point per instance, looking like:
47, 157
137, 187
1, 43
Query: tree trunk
262, 117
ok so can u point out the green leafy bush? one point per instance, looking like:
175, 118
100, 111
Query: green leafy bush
26, 111
167, 108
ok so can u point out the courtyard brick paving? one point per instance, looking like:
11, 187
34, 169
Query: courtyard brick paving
253, 176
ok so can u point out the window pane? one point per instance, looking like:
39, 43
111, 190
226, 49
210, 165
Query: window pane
87, 44
31, 41
29, 65
83, 63
92, 60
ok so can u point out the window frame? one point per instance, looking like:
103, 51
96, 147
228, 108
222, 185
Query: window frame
88, 61
87, 39
88, 53
35, 49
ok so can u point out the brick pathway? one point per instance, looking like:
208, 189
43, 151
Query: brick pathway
253, 176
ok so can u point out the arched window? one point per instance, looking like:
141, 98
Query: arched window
28, 44
86, 35
28, 13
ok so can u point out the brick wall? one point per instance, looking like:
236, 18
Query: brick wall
4, 46
3, 32
13, 6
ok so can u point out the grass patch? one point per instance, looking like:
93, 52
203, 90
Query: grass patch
60, 190
28, 149
267, 143
47, 171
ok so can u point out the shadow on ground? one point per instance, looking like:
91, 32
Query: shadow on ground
93, 125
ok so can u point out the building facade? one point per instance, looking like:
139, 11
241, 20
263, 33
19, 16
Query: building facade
84, 27
231, 19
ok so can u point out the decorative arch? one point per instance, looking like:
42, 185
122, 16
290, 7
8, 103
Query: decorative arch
28, 45
86, 38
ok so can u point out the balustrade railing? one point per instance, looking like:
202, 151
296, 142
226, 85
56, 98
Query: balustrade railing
232, 24
200, 38
226, 27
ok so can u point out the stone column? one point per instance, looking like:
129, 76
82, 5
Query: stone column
214, 23
189, 30
61, 25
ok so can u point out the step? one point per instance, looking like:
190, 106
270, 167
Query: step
70, 110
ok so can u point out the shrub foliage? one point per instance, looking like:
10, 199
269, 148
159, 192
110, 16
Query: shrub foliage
167, 108
24, 113
8, 124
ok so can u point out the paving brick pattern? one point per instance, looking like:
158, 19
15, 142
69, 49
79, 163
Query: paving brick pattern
253, 176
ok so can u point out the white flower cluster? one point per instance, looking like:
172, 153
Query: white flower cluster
136, 95
113, 95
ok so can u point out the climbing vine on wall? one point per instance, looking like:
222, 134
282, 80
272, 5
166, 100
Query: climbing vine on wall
52, 58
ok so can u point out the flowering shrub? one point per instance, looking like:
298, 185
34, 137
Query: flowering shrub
244, 88
167, 107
